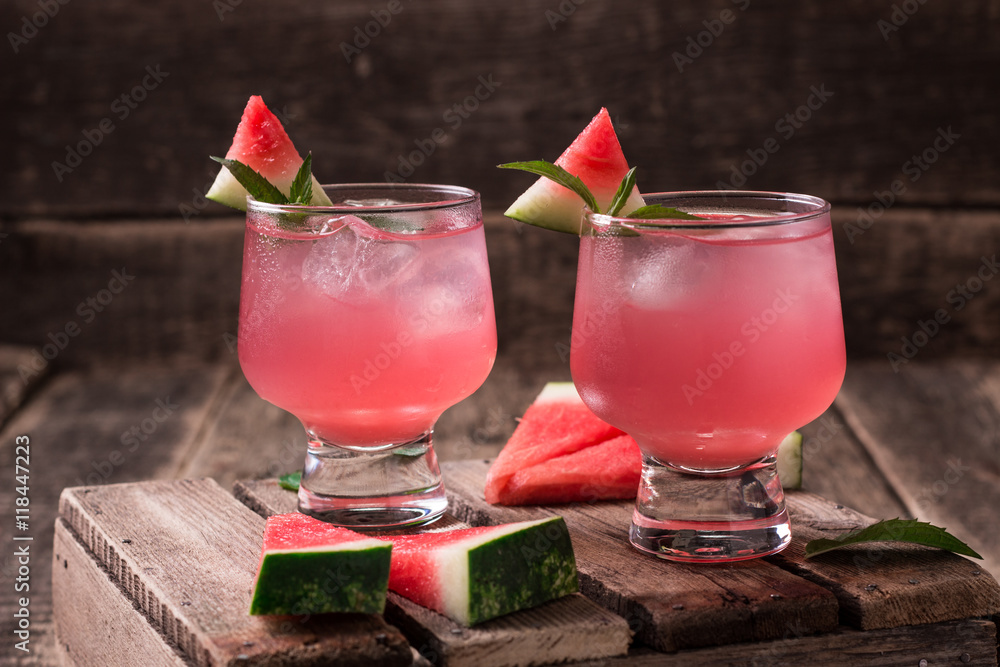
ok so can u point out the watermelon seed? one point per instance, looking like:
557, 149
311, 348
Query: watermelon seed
248, 644
775, 596
838, 507
678, 606
871, 587
914, 581
126, 541
456, 631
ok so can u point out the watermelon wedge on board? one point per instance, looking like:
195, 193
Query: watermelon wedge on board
557, 424
474, 574
595, 157
604, 471
261, 143
561, 452
311, 567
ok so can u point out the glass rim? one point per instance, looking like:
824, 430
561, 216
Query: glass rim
452, 196
820, 207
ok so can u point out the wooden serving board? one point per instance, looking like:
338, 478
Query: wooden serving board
674, 606
159, 573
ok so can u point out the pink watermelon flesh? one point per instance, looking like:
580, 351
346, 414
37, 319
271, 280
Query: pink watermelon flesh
607, 470
261, 143
596, 157
311, 567
475, 574
556, 424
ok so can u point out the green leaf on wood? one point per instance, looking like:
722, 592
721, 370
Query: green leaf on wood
291, 481
894, 530
258, 186
556, 173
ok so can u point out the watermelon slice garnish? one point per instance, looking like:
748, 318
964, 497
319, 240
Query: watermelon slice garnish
474, 574
561, 452
596, 158
262, 144
311, 567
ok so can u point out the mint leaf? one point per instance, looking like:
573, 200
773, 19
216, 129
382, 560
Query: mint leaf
302, 186
291, 481
556, 173
258, 186
895, 530
624, 190
660, 212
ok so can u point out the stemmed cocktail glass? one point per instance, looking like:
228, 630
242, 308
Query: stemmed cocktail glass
366, 320
709, 341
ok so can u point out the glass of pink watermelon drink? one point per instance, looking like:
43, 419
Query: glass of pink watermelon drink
709, 341
366, 319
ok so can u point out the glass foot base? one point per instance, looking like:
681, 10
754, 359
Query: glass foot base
710, 516
384, 488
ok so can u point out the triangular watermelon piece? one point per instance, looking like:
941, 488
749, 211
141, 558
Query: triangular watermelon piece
561, 452
474, 574
595, 157
556, 424
604, 471
308, 566
261, 143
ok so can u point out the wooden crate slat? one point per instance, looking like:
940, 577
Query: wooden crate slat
670, 605
76, 422
570, 628
186, 553
99, 625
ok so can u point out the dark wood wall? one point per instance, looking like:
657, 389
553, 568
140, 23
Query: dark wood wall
887, 81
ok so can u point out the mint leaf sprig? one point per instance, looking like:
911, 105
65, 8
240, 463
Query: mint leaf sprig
894, 530
263, 191
559, 175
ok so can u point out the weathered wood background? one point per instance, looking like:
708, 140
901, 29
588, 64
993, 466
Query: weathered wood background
113, 108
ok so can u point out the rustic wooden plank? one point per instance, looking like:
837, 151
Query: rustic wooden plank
912, 584
567, 629
883, 585
670, 606
80, 427
17, 378
72, 74
113, 632
244, 437
932, 429
145, 534
952, 643
836, 466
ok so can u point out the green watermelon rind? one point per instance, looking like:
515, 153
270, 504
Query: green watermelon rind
551, 206
521, 570
789, 461
343, 579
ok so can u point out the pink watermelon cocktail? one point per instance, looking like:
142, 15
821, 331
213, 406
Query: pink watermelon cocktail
366, 320
708, 341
